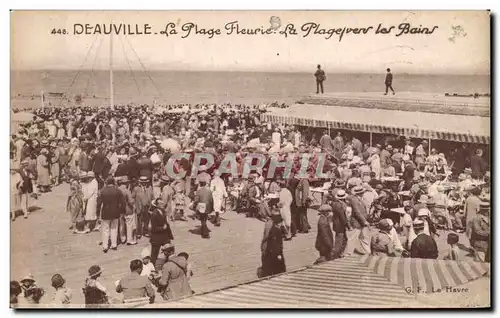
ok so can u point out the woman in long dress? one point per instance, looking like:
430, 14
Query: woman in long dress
90, 190
219, 192
43, 170
74, 206
285, 203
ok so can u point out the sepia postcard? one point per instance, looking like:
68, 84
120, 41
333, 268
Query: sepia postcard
250, 159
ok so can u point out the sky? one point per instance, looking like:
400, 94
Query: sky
460, 43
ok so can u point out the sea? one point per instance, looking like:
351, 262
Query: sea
193, 87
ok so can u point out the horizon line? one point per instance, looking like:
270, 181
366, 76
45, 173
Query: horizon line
382, 72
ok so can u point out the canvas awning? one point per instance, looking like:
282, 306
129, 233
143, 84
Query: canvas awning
460, 128
350, 282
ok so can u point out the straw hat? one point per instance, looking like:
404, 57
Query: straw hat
340, 195
424, 212
418, 224
358, 190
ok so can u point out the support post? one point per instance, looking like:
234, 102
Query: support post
371, 139
111, 93
429, 150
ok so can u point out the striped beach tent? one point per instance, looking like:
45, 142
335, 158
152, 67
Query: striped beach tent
451, 127
417, 275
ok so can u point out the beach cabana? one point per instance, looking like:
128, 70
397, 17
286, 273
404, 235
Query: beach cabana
424, 125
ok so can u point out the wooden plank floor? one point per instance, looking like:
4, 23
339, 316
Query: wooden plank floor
43, 245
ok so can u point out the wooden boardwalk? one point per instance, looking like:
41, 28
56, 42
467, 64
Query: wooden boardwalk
43, 245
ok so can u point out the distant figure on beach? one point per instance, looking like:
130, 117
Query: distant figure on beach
320, 77
388, 82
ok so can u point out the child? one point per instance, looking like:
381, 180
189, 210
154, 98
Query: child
94, 292
63, 295
27, 283
180, 204
453, 253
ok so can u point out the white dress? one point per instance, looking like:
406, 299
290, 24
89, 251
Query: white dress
218, 189
90, 192
286, 200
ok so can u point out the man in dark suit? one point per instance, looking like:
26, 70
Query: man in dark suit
324, 238
301, 200
320, 78
478, 165
340, 223
111, 203
203, 205
388, 82
423, 246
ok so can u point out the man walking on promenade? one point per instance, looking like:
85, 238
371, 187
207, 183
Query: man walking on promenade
112, 204
320, 77
388, 82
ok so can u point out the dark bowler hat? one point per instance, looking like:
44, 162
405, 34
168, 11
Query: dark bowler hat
94, 270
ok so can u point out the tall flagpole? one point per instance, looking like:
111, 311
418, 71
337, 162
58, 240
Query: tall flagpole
111, 99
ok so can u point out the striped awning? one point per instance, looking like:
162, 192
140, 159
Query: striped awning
425, 275
472, 129
351, 282
344, 283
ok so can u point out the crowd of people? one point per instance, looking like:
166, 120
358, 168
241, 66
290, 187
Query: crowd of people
116, 162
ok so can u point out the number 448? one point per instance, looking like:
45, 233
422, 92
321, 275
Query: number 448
58, 31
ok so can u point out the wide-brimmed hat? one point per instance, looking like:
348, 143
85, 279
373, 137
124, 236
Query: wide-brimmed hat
28, 277
122, 179
339, 183
57, 281
358, 189
95, 270
143, 179
424, 212
90, 174
468, 171
462, 176
340, 195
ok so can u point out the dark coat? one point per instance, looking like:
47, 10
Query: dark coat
204, 195
339, 218
478, 166
388, 79
111, 203
424, 246
145, 166
324, 238
159, 234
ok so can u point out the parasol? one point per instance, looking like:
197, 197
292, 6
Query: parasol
170, 144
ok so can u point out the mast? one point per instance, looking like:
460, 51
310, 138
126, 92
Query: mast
111, 93
42, 97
